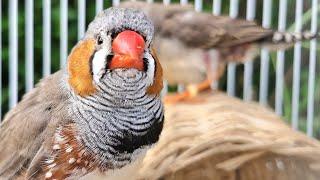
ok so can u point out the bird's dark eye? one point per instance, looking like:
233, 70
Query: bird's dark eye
100, 40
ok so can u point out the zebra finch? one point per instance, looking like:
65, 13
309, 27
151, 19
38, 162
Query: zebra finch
100, 113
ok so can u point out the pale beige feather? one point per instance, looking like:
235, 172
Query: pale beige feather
26, 126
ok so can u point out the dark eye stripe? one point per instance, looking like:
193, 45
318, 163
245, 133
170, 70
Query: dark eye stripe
109, 58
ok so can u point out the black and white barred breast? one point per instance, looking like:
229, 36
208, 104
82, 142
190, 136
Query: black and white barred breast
120, 119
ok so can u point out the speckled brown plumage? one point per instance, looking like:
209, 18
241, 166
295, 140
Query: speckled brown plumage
68, 156
19, 154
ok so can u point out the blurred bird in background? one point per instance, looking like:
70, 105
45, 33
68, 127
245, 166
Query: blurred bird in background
194, 47
99, 114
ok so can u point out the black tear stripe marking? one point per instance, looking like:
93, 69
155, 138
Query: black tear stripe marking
145, 64
108, 58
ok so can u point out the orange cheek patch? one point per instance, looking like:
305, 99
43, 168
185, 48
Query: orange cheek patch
80, 77
157, 85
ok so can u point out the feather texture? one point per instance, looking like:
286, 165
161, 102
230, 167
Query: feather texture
25, 127
215, 136
79, 62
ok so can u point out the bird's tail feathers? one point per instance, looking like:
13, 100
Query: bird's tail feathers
292, 37
277, 41
284, 40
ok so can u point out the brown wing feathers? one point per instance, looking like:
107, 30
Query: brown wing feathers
33, 120
67, 157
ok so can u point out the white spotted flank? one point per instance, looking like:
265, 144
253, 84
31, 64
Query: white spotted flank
48, 175
69, 149
56, 147
72, 160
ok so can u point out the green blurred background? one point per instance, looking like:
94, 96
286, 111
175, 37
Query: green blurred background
207, 6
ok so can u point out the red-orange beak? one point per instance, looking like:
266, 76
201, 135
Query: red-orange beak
128, 47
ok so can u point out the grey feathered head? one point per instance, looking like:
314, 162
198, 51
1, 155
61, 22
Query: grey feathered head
118, 41
115, 20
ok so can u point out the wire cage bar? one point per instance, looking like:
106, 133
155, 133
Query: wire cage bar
198, 5
183, 2
280, 60
216, 10
13, 52
264, 69
99, 6
81, 18
46, 67
312, 70
233, 13
296, 67
63, 34
248, 66
248, 91
29, 45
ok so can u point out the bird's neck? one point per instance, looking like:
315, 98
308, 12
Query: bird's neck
114, 123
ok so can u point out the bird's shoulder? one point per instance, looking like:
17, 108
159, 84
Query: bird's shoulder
25, 127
